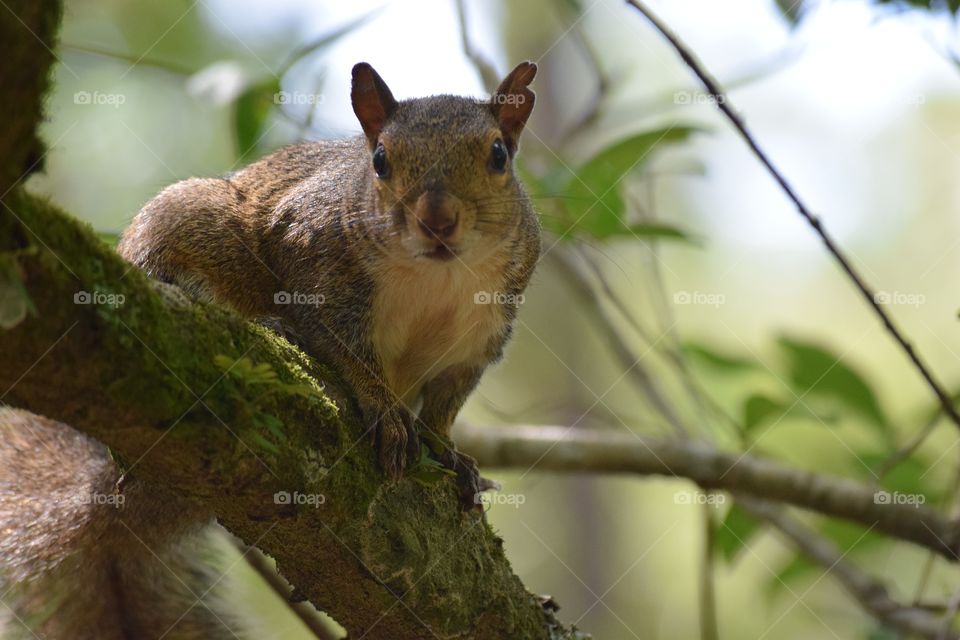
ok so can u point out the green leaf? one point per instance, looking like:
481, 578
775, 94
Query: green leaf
659, 231
817, 372
428, 471
250, 113
758, 408
433, 440
910, 477
593, 202
263, 442
303, 390
719, 360
223, 362
735, 532
272, 423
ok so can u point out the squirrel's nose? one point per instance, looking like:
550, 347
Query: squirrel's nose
436, 216
441, 228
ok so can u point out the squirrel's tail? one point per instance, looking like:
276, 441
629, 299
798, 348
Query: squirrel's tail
81, 558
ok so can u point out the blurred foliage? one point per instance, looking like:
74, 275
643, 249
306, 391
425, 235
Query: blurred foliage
589, 201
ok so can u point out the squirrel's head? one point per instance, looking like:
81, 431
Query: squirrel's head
442, 167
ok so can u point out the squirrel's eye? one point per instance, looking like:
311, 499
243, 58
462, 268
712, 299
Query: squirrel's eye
498, 156
380, 162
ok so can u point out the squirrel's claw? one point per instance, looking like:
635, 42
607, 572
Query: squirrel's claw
469, 483
396, 440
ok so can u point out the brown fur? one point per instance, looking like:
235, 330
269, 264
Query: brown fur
76, 563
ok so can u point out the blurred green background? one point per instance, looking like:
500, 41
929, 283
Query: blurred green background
722, 301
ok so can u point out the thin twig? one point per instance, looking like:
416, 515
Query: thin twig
581, 286
304, 611
908, 449
671, 349
870, 593
723, 103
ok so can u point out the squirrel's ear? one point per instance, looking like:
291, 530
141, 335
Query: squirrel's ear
372, 101
513, 102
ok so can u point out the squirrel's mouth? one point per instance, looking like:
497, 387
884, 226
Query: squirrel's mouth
441, 253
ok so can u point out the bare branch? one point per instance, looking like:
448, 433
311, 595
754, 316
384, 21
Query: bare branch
564, 449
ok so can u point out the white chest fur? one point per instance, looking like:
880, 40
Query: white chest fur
428, 316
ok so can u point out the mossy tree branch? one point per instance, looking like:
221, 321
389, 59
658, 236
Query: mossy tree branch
136, 366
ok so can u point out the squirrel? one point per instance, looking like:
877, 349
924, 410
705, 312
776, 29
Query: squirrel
397, 256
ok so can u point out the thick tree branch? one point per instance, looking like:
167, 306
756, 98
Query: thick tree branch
565, 449
723, 103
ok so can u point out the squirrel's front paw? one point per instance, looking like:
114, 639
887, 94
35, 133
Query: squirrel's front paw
396, 440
